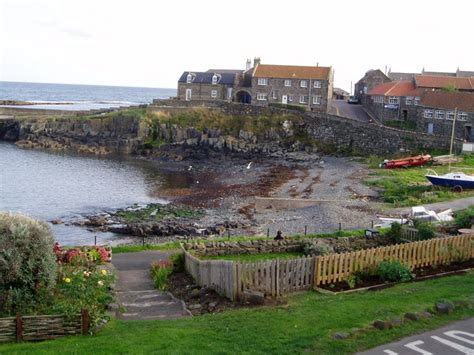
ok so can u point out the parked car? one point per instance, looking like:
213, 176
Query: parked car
353, 100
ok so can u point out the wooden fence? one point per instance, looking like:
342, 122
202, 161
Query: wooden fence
337, 267
43, 327
409, 234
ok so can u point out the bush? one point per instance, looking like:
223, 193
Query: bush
318, 247
465, 218
393, 271
425, 230
178, 262
160, 271
396, 232
27, 262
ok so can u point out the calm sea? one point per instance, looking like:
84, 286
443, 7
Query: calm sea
80, 97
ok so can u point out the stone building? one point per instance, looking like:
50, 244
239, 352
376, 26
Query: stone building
210, 85
371, 79
261, 85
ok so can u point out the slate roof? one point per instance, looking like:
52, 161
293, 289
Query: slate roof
401, 76
439, 82
394, 88
206, 78
291, 72
370, 73
464, 101
225, 71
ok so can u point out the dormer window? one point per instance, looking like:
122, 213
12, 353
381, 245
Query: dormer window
189, 78
214, 79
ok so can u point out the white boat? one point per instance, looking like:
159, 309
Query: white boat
456, 180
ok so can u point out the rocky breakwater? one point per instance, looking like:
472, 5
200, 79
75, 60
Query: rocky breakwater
154, 220
117, 132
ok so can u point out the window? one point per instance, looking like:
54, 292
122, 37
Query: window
214, 93
393, 100
450, 115
316, 100
304, 83
417, 100
428, 113
303, 99
214, 79
378, 99
317, 84
287, 82
439, 115
261, 97
462, 116
189, 78
262, 81
290, 98
274, 95
409, 100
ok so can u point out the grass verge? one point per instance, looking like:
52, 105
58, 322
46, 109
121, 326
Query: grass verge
305, 324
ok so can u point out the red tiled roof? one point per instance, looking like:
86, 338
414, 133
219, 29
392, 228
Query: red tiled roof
394, 88
464, 101
439, 82
291, 72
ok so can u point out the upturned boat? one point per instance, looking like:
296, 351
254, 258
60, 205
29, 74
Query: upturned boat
457, 181
417, 160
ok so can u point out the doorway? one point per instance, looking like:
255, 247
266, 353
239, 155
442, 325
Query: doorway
430, 128
284, 99
189, 93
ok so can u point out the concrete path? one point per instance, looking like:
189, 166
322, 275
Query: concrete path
457, 338
136, 292
456, 205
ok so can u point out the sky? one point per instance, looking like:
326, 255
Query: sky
150, 43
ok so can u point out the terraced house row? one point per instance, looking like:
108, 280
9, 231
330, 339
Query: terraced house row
262, 84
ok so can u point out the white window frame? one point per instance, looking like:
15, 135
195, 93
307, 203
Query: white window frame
262, 81
317, 100
214, 79
317, 84
416, 101
428, 113
189, 78
409, 100
439, 115
304, 83
450, 115
378, 99
261, 96
393, 100
304, 99
213, 94
287, 82
462, 116
290, 98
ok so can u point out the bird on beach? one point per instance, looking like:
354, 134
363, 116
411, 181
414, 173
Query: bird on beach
190, 168
249, 164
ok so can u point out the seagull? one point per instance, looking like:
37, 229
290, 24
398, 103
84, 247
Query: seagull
190, 168
249, 164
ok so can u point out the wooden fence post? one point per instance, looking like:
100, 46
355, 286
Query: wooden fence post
19, 328
85, 321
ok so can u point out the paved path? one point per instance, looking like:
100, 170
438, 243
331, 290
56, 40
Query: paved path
455, 339
136, 292
456, 205
344, 109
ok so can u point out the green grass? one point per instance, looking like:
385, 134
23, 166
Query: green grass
254, 257
135, 248
407, 125
305, 324
156, 211
409, 187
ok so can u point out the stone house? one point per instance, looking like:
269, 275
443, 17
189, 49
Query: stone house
371, 79
261, 85
423, 102
210, 85
309, 86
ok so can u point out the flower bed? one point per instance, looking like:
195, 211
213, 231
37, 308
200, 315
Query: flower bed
83, 254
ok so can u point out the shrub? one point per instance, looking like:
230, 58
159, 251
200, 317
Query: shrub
393, 271
425, 230
27, 262
465, 218
178, 262
318, 247
160, 271
396, 232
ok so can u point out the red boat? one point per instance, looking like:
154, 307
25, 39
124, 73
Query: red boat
407, 162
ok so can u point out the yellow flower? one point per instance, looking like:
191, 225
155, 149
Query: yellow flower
100, 283
104, 272
67, 280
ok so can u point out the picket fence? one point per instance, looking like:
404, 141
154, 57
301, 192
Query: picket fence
337, 267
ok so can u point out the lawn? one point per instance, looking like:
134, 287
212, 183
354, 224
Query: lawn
305, 324
409, 187
254, 257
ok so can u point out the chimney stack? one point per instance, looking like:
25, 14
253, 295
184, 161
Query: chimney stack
256, 61
248, 64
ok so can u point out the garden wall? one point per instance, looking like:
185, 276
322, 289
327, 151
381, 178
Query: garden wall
43, 327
